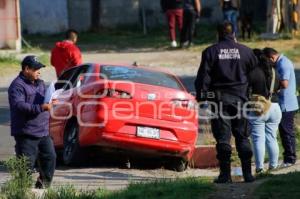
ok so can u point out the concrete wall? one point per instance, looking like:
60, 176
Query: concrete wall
44, 16
119, 12
10, 25
52, 16
79, 14
130, 12
114, 13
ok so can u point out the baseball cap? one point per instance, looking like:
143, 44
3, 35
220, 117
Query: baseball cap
32, 62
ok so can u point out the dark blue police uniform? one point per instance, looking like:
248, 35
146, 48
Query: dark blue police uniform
223, 71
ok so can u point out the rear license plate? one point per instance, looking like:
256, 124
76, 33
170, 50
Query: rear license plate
148, 132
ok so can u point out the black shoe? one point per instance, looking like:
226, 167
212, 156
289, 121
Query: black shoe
39, 184
223, 179
225, 173
249, 178
247, 172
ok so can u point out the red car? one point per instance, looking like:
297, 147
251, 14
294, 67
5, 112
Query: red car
130, 108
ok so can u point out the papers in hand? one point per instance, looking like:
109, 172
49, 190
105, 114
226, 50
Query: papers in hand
51, 93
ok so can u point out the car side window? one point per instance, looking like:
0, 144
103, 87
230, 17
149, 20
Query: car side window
64, 80
80, 75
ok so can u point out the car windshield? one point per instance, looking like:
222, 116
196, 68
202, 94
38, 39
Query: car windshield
140, 75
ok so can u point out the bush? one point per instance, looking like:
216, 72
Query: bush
20, 182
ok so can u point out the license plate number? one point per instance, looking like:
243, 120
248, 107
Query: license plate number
148, 132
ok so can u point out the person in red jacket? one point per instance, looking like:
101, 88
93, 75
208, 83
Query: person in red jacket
66, 54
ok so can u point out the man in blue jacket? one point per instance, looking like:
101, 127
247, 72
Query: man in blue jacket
30, 120
222, 79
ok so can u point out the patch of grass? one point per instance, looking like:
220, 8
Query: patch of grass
192, 188
44, 58
294, 53
281, 186
8, 64
8, 60
69, 192
132, 38
20, 182
106, 40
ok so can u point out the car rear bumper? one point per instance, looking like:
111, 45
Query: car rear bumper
144, 145
176, 138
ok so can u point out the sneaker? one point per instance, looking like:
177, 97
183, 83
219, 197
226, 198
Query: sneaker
259, 171
174, 44
272, 168
286, 164
184, 44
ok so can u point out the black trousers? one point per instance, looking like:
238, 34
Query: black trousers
287, 134
188, 29
229, 120
41, 149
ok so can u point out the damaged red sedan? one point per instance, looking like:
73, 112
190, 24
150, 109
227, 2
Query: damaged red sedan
125, 108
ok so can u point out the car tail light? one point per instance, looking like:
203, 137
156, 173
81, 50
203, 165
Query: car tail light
188, 104
115, 94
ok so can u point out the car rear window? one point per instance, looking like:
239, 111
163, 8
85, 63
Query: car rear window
140, 75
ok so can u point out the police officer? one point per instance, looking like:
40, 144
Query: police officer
222, 80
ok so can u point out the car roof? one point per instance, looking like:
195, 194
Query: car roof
129, 66
124, 65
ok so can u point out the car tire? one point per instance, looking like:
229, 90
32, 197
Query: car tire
71, 151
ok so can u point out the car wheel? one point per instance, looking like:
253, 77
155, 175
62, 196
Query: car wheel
71, 151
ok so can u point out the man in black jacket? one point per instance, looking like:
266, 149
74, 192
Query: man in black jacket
223, 77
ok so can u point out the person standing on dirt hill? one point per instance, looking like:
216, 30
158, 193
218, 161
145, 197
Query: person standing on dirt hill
66, 54
174, 13
30, 120
222, 81
288, 103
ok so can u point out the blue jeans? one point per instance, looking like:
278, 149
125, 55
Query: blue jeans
264, 134
231, 16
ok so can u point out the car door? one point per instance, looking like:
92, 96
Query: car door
63, 109
86, 103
